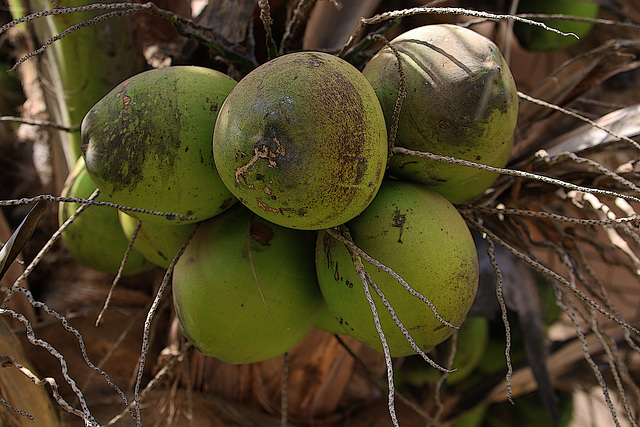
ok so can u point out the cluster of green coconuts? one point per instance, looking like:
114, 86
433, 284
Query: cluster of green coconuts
273, 169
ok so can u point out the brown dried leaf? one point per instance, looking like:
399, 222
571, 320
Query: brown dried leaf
324, 379
538, 124
624, 122
19, 391
219, 13
20, 236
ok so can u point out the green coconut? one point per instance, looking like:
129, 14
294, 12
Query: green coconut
327, 322
157, 242
461, 101
245, 289
302, 142
474, 418
95, 238
147, 143
421, 236
471, 344
538, 39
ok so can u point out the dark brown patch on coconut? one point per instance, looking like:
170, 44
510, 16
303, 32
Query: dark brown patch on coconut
226, 203
261, 233
119, 135
398, 222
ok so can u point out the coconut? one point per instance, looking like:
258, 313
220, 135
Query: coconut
245, 289
461, 101
147, 143
421, 236
95, 238
301, 141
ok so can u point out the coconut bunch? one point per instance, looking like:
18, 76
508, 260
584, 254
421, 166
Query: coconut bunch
283, 187
414, 200
301, 142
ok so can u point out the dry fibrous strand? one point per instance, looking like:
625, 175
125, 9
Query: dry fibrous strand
563, 17
147, 327
8, 361
354, 249
265, 17
298, 15
396, 14
504, 315
577, 116
553, 275
119, 273
499, 210
57, 199
157, 379
514, 172
40, 123
86, 414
